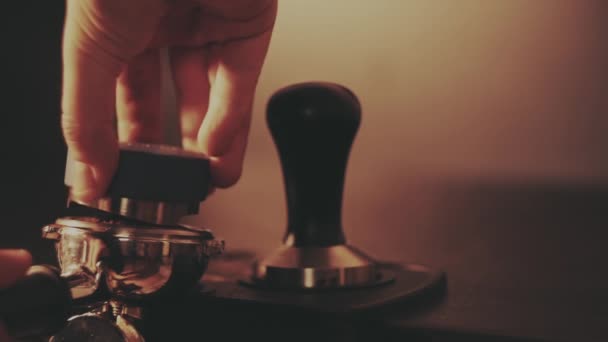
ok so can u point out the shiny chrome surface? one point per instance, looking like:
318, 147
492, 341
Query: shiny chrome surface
144, 267
134, 262
78, 254
98, 325
167, 213
337, 266
128, 330
132, 312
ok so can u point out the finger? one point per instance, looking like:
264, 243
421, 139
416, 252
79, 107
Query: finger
138, 94
99, 38
227, 169
190, 74
4, 337
221, 21
235, 68
13, 264
88, 129
87, 107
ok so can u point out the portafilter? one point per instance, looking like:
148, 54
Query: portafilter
119, 252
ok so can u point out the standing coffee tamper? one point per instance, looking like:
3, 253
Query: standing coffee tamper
313, 125
119, 254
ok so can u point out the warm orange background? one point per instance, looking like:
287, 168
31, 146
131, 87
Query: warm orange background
507, 91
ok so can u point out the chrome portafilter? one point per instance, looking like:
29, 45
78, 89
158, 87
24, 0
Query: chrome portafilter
120, 253
122, 266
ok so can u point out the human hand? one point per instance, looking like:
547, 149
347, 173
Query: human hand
13, 265
111, 80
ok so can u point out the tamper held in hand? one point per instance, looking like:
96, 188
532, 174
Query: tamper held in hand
156, 184
313, 126
119, 253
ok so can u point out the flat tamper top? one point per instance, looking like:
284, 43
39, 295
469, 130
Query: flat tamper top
160, 173
155, 183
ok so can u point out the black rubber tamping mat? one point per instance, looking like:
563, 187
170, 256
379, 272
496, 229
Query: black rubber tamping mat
227, 280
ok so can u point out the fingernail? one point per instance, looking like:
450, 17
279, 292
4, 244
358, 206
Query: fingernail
215, 145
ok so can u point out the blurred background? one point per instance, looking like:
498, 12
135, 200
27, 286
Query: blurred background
470, 92
453, 92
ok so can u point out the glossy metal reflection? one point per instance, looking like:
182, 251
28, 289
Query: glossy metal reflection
340, 266
100, 325
156, 212
134, 261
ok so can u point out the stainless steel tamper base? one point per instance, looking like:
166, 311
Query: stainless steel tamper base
156, 212
339, 266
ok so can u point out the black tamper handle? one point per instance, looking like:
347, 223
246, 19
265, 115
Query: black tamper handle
313, 125
37, 305
158, 173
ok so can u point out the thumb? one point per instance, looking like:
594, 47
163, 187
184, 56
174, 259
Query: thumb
99, 38
88, 105
13, 264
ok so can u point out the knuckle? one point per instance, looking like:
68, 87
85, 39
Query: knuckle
83, 139
72, 130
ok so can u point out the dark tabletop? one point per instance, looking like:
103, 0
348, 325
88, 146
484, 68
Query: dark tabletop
527, 261
524, 262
